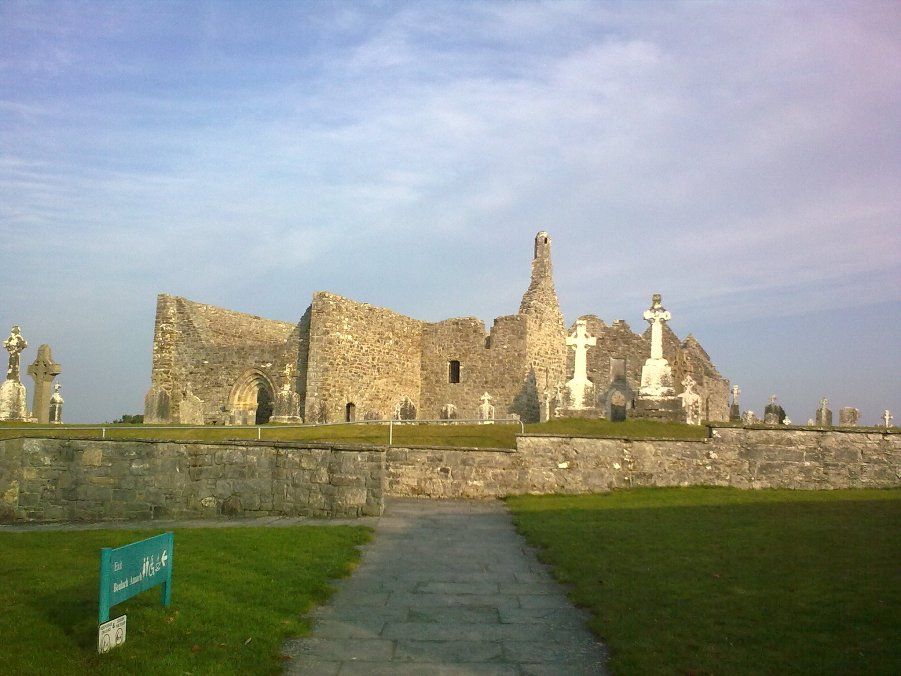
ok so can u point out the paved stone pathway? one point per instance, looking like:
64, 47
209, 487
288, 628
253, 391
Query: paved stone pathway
447, 587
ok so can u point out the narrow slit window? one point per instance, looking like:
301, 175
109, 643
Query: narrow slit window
453, 371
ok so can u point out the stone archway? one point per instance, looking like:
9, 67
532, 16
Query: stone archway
251, 399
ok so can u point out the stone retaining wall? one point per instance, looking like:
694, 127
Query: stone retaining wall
79, 480
744, 458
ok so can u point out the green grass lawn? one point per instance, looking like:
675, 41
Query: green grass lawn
724, 581
479, 436
237, 593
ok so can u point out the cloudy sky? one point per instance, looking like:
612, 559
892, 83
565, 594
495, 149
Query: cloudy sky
743, 159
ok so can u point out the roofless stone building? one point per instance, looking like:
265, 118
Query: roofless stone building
346, 360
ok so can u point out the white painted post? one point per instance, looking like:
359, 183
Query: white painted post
259, 433
103, 433
390, 431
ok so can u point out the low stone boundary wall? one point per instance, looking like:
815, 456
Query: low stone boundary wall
81, 480
740, 457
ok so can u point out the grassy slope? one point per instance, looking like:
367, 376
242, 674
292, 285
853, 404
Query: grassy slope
481, 436
229, 585
711, 581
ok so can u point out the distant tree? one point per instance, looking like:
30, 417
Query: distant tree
129, 419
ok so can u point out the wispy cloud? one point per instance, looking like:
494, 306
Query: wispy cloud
732, 155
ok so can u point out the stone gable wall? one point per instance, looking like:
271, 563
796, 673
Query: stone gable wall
74, 480
492, 363
360, 354
211, 348
619, 341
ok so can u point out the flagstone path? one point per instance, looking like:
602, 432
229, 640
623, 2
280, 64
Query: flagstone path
447, 587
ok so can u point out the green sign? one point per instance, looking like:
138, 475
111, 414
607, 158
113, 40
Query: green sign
129, 570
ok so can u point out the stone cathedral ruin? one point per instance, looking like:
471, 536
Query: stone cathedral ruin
345, 360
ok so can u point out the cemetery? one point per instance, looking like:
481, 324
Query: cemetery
450, 338
614, 452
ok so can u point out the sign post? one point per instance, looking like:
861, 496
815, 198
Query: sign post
129, 570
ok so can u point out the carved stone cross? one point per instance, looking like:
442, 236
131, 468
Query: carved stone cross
887, 417
15, 344
486, 410
735, 392
580, 341
43, 370
656, 315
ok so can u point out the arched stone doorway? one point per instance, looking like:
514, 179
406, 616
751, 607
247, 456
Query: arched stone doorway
251, 399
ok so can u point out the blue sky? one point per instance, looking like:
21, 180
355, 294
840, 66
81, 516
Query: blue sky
740, 158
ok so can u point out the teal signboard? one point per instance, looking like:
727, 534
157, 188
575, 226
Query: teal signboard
129, 570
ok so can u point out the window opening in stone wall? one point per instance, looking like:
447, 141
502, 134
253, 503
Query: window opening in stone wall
350, 412
264, 406
453, 371
487, 342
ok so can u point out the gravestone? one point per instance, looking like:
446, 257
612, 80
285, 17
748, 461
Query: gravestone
749, 418
579, 386
545, 410
773, 414
448, 412
55, 414
486, 410
691, 401
848, 416
12, 392
824, 414
618, 395
656, 395
405, 409
286, 409
43, 370
617, 405
190, 410
157, 406
735, 408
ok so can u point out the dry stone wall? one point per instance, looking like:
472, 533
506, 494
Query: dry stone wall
74, 480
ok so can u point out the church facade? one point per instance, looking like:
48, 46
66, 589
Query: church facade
345, 360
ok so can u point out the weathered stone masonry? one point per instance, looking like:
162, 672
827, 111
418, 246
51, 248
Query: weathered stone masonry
351, 359
743, 458
80, 480
65, 480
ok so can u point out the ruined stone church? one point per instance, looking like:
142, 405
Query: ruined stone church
345, 360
